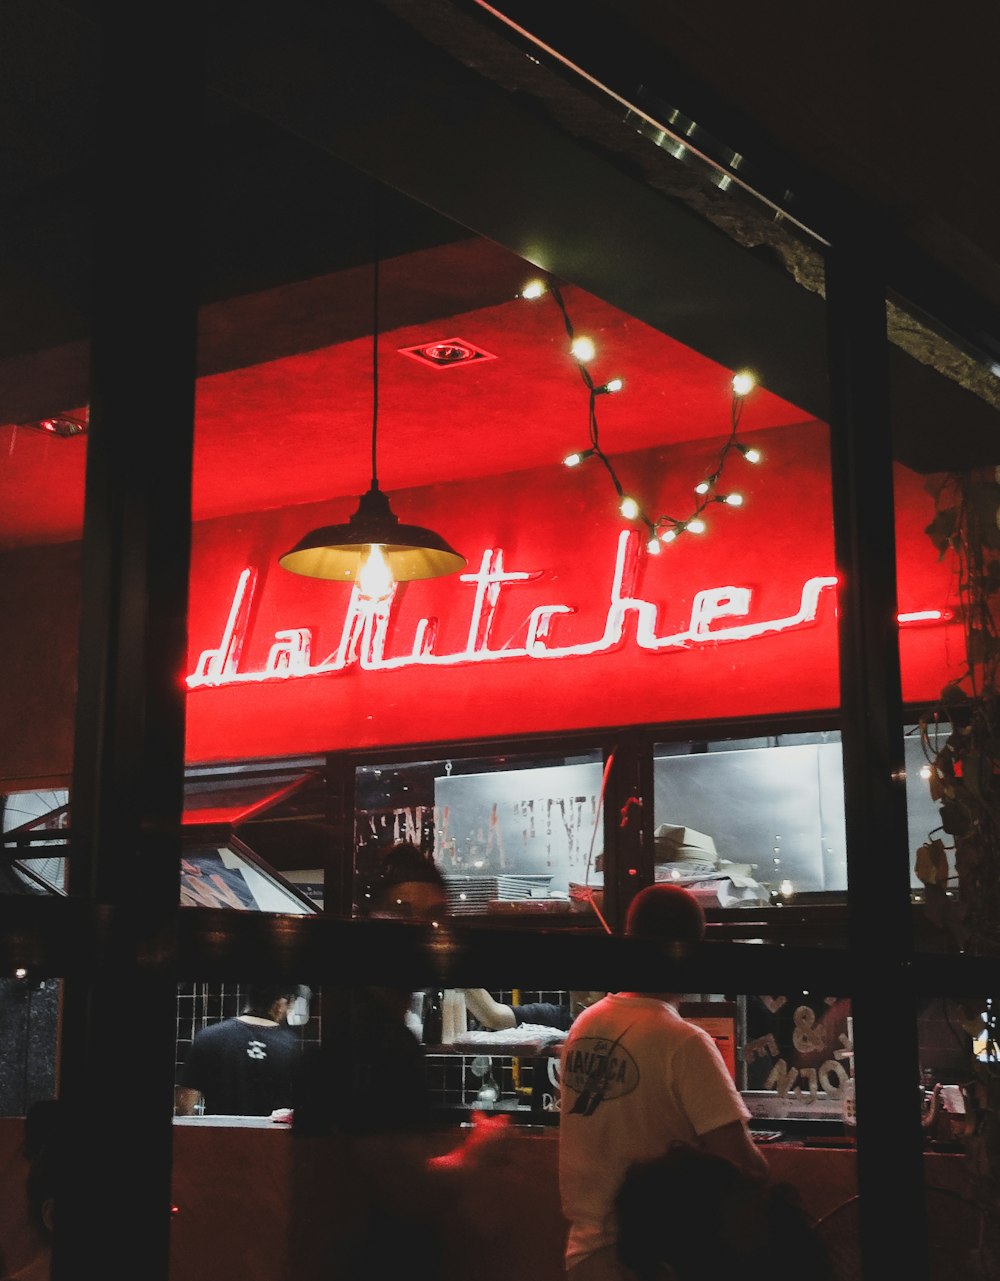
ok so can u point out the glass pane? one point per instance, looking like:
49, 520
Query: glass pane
216, 870
509, 835
29, 1014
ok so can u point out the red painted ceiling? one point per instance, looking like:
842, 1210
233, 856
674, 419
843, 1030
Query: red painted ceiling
296, 428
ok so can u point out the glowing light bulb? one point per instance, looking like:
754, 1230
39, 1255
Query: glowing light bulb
668, 535
696, 526
574, 460
744, 382
703, 488
533, 289
611, 386
583, 349
653, 546
629, 508
733, 500
787, 888
375, 579
750, 453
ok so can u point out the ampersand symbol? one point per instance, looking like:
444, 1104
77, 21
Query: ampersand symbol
806, 1036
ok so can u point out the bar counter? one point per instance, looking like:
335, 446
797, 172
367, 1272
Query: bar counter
252, 1202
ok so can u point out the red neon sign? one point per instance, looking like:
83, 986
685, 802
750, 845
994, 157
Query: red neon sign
363, 640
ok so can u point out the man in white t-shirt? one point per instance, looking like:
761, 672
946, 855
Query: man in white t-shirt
635, 1078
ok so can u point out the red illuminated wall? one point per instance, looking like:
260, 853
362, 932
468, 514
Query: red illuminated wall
560, 526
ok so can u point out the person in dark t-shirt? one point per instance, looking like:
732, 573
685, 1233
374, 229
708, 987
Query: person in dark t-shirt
243, 1066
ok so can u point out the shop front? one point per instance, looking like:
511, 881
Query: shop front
698, 634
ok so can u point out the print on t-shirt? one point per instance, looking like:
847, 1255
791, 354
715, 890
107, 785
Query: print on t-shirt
596, 1070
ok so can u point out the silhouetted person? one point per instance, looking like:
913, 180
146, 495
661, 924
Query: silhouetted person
691, 1216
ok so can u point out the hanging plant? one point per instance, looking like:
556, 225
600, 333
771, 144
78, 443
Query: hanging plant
961, 737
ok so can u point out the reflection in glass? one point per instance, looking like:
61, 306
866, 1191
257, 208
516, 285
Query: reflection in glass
508, 834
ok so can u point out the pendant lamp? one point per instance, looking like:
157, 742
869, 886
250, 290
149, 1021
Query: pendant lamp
373, 547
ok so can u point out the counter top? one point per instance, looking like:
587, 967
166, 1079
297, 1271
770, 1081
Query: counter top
232, 1122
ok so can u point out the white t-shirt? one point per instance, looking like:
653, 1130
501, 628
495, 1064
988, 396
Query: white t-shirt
635, 1077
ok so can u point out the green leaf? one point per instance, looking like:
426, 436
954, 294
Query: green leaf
942, 529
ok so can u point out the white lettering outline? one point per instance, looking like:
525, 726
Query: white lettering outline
363, 636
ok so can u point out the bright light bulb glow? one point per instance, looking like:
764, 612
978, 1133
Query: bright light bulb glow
583, 349
629, 508
615, 384
375, 579
653, 547
696, 526
702, 488
751, 454
534, 289
573, 460
734, 500
787, 888
668, 535
743, 382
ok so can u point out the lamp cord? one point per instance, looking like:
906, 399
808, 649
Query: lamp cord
375, 328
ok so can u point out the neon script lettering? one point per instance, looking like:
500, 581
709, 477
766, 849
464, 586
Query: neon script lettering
364, 634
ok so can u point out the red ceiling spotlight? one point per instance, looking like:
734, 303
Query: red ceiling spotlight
447, 353
64, 425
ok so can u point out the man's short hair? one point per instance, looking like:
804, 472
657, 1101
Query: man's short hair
262, 996
665, 913
404, 862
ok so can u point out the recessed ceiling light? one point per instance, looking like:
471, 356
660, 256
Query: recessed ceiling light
60, 424
447, 353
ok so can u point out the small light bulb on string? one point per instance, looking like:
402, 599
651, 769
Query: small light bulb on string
533, 289
575, 459
665, 529
375, 580
583, 349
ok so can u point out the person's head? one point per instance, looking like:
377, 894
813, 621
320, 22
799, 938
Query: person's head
691, 1216
410, 886
665, 913
270, 1000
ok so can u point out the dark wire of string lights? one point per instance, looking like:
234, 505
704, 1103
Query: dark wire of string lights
662, 529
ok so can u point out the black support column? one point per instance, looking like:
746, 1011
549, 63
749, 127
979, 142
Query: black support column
119, 1009
890, 1144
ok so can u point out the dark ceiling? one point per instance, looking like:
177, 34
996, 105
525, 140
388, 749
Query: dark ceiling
301, 115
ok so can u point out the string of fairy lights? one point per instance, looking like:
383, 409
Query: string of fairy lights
664, 528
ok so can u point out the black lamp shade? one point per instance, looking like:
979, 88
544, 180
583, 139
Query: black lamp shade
338, 552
